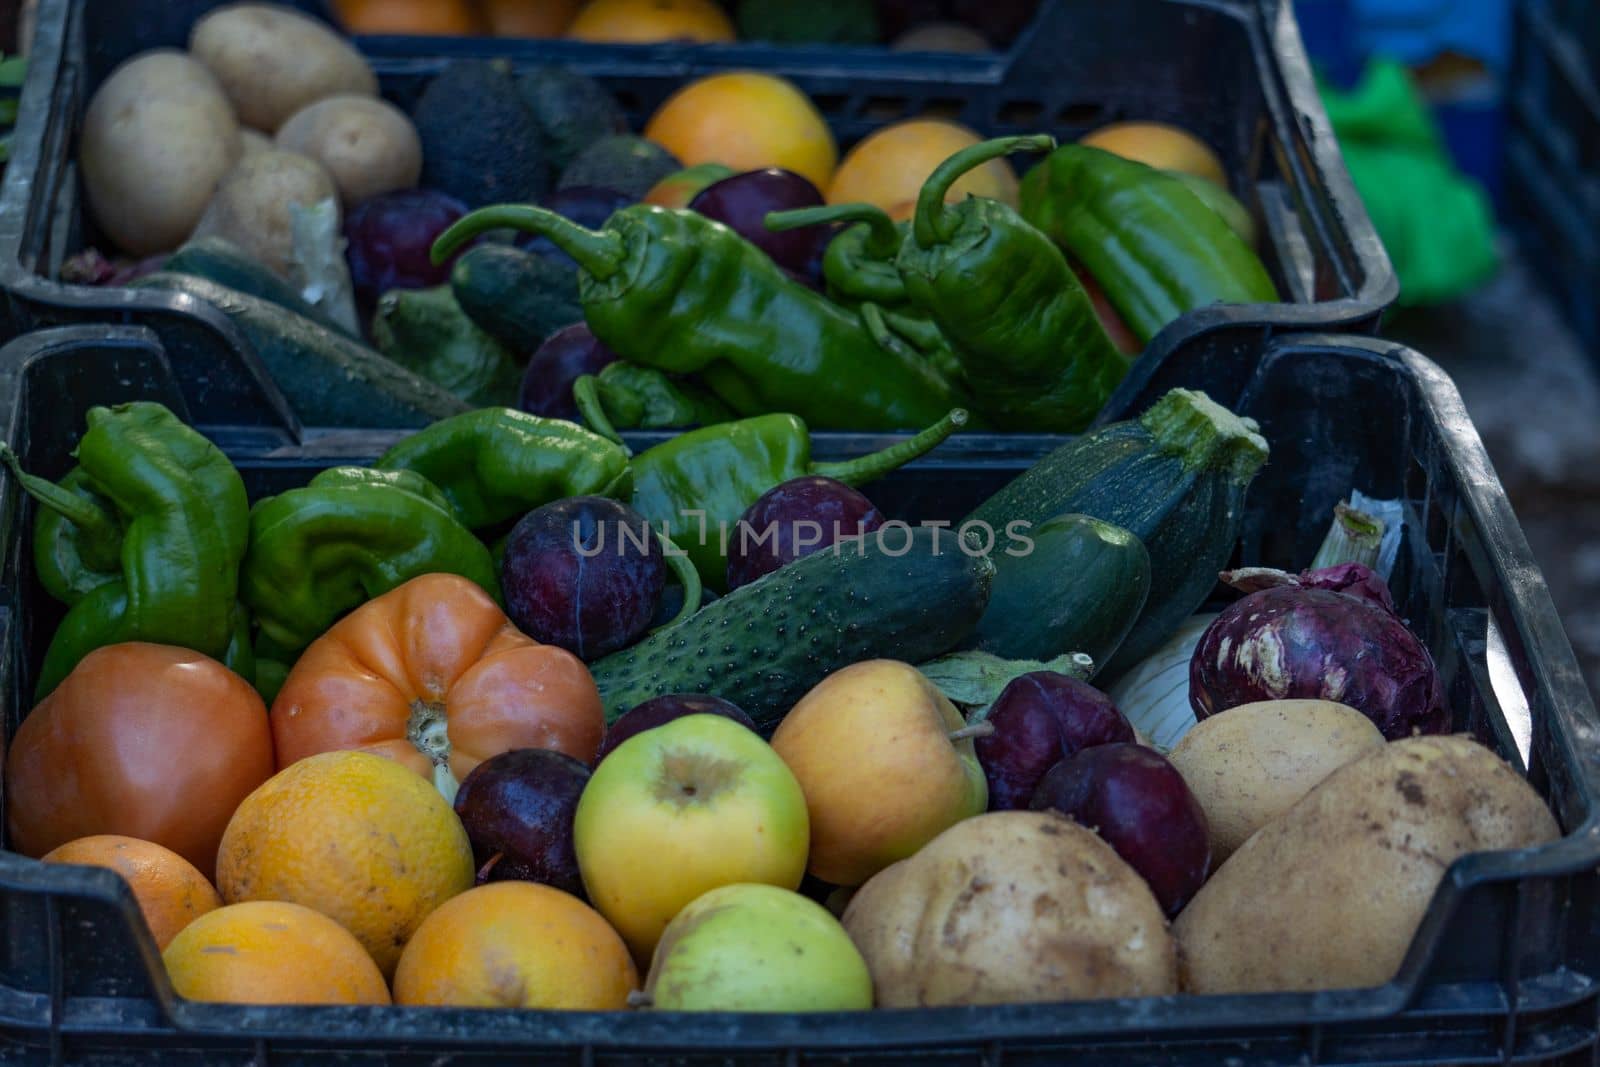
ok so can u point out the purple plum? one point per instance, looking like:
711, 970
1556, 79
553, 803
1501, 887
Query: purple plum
389, 238
743, 201
1139, 803
795, 519
565, 356
1040, 719
658, 711
517, 809
585, 573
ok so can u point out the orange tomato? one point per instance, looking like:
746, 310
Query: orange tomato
434, 676
427, 18
147, 741
530, 18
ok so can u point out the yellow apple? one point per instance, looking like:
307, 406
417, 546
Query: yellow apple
871, 745
682, 809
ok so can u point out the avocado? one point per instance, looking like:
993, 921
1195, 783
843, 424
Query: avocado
630, 165
480, 143
572, 109
808, 22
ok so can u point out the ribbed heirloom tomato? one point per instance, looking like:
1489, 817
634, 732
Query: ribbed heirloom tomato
434, 676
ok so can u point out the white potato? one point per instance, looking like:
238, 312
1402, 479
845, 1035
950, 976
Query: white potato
367, 144
251, 207
157, 138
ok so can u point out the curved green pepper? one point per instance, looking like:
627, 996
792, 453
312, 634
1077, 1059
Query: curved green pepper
1020, 322
75, 555
630, 397
675, 291
176, 510
1154, 246
497, 464
425, 331
697, 486
346, 537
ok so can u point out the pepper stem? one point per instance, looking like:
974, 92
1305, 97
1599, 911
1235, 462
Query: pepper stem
873, 319
883, 237
95, 523
683, 569
600, 252
934, 222
586, 394
864, 469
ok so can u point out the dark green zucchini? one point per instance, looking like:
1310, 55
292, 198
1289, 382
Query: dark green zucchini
764, 645
518, 298
327, 378
1077, 585
219, 260
1175, 478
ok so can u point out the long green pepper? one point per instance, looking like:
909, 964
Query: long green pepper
676, 291
170, 508
1024, 329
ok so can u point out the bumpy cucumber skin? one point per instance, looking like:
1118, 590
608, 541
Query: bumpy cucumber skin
764, 645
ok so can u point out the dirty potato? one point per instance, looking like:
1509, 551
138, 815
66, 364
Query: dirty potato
1009, 907
1329, 895
1250, 764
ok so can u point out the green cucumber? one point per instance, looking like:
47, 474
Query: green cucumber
426, 331
517, 298
1078, 586
1175, 478
329, 379
764, 645
219, 260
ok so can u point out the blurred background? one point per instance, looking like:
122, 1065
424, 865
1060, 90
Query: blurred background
1472, 130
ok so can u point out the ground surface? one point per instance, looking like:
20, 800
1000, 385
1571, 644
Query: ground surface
1534, 394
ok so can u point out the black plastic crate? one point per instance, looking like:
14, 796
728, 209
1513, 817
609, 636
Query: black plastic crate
1235, 74
1503, 970
1553, 153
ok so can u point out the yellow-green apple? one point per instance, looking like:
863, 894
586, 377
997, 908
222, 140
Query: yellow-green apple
886, 763
679, 810
753, 947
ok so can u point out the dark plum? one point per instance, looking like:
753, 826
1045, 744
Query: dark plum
565, 356
1140, 805
743, 201
517, 809
585, 573
778, 527
658, 711
587, 205
1039, 719
389, 237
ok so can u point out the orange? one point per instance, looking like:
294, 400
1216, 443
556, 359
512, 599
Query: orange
170, 891
516, 945
642, 21
1161, 146
530, 18
889, 167
271, 952
428, 18
360, 838
746, 121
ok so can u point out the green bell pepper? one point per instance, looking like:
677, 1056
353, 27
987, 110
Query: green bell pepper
1156, 248
162, 502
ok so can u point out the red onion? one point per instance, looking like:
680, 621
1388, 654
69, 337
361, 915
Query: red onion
1328, 634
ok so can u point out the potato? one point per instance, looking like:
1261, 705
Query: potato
157, 138
272, 61
251, 207
254, 141
1329, 895
1008, 907
1251, 763
368, 145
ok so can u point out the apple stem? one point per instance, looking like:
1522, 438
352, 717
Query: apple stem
977, 729
490, 864
640, 999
